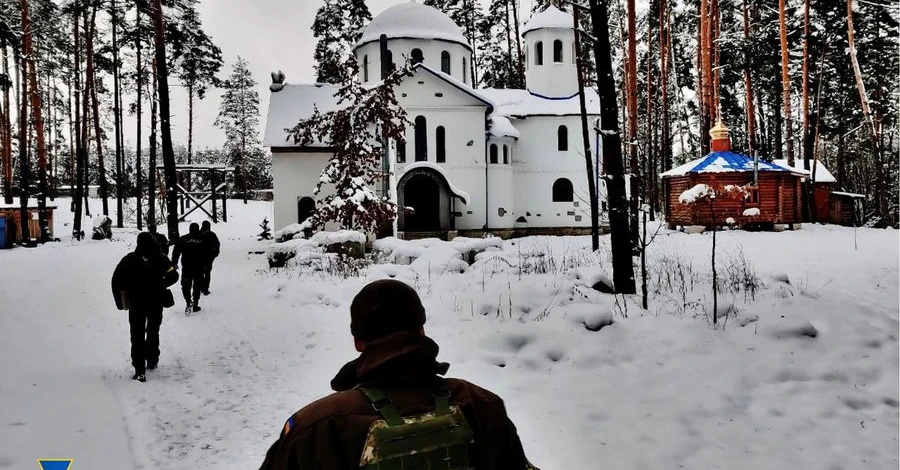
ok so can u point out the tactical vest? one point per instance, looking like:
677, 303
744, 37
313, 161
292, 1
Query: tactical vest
437, 440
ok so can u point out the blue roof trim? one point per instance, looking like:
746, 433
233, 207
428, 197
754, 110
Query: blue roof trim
552, 98
730, 161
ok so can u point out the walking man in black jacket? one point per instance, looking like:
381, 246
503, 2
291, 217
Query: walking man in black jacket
192, 252
139, 285
212, 248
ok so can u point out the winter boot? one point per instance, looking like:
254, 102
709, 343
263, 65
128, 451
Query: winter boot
187, 309
196, 308
139, 376
151, 366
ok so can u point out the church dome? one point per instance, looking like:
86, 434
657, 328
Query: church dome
551, 17
413, 20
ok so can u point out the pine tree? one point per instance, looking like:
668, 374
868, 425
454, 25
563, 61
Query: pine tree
239, 118
366, 115
337, 27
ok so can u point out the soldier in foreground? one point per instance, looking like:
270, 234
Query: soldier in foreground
391, 407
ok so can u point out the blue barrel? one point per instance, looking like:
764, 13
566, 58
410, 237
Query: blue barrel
3, 232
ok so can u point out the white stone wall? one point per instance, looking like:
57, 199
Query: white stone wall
552, 79
294, 176
431, 52
538, 164
501, 185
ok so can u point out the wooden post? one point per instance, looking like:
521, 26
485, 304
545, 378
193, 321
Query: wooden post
212, 185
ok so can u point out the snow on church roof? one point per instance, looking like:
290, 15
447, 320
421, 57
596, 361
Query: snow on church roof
293, 103
551, 17
502, 127
721, 162
524, 103
412, 20
822, 173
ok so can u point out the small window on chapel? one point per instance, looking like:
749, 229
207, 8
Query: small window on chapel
562, 138
563, 191
445, 62
539, 53
493, 152
417, 57
557, 51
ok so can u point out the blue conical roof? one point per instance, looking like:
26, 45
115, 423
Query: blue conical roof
722, 162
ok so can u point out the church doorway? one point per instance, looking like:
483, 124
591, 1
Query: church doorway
305, 208
422, 194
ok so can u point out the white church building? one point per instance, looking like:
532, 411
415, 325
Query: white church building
510, 162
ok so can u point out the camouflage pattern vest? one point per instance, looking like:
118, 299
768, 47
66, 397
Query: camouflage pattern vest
437, 440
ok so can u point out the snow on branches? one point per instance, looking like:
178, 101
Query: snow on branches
368, 116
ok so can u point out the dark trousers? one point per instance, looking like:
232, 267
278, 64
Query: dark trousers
207, 274
192, 285
144, 336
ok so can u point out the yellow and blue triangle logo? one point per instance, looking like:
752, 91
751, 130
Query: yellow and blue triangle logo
54, 464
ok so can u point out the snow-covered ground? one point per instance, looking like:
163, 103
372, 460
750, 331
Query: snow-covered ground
812, 383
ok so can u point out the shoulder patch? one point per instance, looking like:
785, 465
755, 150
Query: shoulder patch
287, 426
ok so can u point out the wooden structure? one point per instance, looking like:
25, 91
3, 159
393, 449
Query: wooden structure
831, 206
844, 207
771, 193
12, 213
214, 179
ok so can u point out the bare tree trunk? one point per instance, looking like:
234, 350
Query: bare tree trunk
519, 60
586, 143
714, 27
623, 271
117, 115
786, 83
186, 176
80, 159
748, 88
24, 163
6, 125
36, 109
151, 166
631, 103
139, 82
510, 64
864, 101
164, 115
664, 46
705, 75
91, 85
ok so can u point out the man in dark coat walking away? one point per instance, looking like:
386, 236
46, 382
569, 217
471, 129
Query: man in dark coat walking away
395, 377
139, 285
192, 252
212, 247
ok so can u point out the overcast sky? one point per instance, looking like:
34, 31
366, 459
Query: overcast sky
270, 35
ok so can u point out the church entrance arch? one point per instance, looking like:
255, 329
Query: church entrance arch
424, 200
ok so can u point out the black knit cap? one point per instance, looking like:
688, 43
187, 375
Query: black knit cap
383, 307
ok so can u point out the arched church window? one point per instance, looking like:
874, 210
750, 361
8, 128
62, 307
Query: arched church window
562, 190
417, 57
385, 71
505, 154
421, 139
493, 153
440, 144
465, 72
539, 53
365, 68
557, 51
445, 62
401, 151
562, 138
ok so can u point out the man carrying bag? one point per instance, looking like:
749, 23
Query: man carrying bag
140, 285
